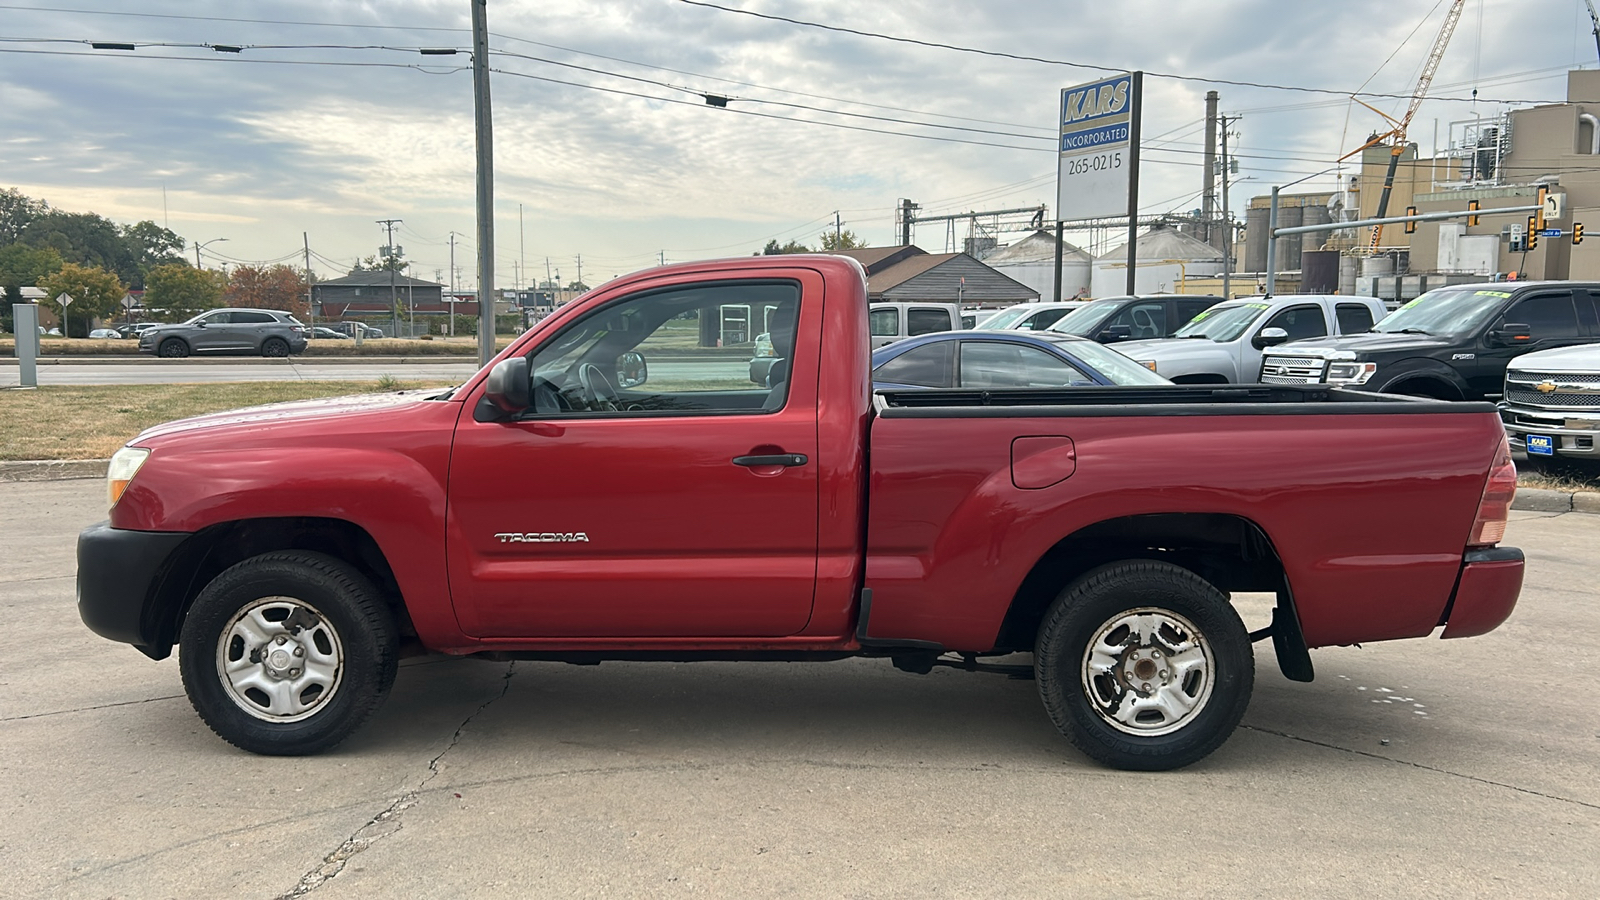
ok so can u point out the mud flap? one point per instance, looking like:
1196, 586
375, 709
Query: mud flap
1294, 660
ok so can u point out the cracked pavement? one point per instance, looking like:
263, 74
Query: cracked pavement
1430, 768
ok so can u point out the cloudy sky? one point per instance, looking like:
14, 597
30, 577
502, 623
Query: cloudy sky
330, 119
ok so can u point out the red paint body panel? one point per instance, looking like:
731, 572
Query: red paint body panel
1484, 598
1369, 513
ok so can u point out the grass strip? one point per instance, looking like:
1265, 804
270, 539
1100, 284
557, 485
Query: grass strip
92, 421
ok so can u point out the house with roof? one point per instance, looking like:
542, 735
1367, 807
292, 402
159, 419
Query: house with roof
909, 273
368, 293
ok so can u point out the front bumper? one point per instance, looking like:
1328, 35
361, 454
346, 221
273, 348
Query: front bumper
1576, 435
1486, 592
119, 576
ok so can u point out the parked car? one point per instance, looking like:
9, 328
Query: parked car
1453, 343
289, 550
972, 315
268, 332
1133, 318
999, 359
889, 322
319, 331
106, 334
1551, 405
1026, 317
133, 331
1223, 344
351, 329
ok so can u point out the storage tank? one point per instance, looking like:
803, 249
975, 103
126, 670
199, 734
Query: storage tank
1289, 246
1319, 271
1347, 275
1377, 266
1255, 240
1314, 215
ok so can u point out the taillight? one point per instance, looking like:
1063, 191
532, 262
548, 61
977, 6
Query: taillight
1489, 528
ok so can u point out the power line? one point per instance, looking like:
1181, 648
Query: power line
1059, 62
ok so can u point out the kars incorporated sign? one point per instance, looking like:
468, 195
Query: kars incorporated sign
1097, 126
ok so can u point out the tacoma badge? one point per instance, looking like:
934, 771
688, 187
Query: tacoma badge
543, 537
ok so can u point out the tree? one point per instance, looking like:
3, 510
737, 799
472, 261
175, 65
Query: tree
844, 240
273, 287
773, 248
577, 286
146, 245
83, 238
22, 266
17, 212
176, 291
95, 292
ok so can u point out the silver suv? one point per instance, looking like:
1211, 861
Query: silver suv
267, 332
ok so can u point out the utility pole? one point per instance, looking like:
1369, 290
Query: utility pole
389, 261
907, 217
547, 277
663, 258
1208, 202
485, 142
450, 306
1056, 294
522, 251
1227, 217
411, 305
837, 230
580, 271
311, 311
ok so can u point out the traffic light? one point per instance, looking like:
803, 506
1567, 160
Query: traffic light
1536, 221
1577, 233
1411, 226
1532, 242
1472, 205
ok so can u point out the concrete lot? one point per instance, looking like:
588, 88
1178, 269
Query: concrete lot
1420, 768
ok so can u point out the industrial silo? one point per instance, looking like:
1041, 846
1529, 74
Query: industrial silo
1255, 239
1289, 246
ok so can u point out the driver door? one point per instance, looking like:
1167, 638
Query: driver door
618, 509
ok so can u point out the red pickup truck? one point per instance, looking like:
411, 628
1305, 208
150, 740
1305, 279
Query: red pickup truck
614, 487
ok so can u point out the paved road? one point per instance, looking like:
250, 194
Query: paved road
207, 371
1416, 768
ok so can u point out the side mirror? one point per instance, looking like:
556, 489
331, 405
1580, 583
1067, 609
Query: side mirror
200, 324
1510, 335
632, 370
508, 387
1114, 333
1270, 337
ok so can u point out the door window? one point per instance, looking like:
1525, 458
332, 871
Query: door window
1188, 309
1547, 316
579, 371
217, 318
252, 318
884, 322
1143, 320
1300, 322
1043, 319
925, 320
1353, 318
991, 364
930, 365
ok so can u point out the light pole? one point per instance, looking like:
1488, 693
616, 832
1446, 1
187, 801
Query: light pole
201, 245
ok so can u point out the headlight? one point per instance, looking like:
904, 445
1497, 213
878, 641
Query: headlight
1351, 372
125, 464
1149, 364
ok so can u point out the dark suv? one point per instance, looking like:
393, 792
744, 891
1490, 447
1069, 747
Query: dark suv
267, 332
1113, 319
1453, 343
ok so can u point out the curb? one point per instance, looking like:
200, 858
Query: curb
53, 469
1528, 499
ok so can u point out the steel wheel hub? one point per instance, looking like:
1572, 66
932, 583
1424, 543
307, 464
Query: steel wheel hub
1148, 672
280, 660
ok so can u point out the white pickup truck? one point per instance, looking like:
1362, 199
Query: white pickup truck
1223, 344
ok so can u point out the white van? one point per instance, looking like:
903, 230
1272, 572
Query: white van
893, 321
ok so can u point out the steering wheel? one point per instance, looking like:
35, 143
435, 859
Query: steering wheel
598, 393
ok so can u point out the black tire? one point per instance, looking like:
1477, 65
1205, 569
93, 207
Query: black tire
173, 348
274, 347
1096, 700
305, 605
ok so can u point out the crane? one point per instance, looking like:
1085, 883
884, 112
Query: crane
1398, 132
1594, 19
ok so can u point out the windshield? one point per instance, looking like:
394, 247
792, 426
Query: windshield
1446, 311
1113, 365
1085, 320
1005, 318
1223, 322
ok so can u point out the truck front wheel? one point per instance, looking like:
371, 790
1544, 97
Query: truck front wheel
1144, 665
287, 653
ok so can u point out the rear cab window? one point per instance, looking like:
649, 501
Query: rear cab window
1353, 318
884, 322
926, 320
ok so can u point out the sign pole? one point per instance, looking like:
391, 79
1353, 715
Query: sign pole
1136, 103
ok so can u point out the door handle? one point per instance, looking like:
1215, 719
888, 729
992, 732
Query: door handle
777, 459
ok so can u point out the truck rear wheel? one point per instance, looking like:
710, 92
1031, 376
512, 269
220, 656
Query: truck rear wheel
1144, 665
287, 653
